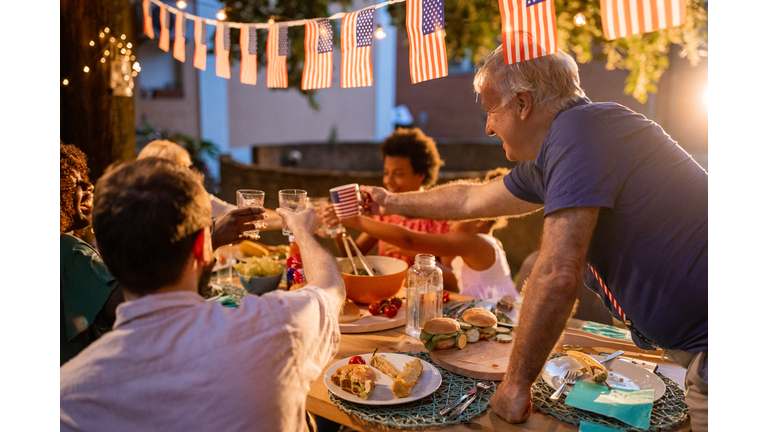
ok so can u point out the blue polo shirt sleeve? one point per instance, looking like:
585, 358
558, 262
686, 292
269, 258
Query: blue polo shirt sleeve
580, 164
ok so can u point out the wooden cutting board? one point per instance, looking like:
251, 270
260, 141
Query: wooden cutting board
486, 360
370, 323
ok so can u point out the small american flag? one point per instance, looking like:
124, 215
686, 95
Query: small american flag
356, 41
425, 22
165, 26
277, 51
201, 43
529, 29
148, 30
179, 49
628, 17
344, 200
222, 50
248, 55
318, 59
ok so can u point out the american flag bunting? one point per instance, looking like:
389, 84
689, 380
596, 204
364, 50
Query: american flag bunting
628, 17
165, 26
201, 43
356, 41
222, 50
179, 48
248, 55
425, 22
318, 55
148, 30
529, 29
277, 51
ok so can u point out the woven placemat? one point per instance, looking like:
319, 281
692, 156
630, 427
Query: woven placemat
668, 412
423, 412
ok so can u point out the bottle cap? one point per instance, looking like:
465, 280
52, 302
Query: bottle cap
292, 239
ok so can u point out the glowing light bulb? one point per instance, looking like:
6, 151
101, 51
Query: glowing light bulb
122, 37
86, 69
129, 45
91, 43
181, 4
101, 35
112, 40
122, 51
65, 82
136, 67
103, 60
106, 53
133, 58
128, 52
579, 19
106, 29
221, 15
134, 73
126, 77
380, 33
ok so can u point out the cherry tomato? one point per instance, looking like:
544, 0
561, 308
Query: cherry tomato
397, 302
356, 360
446, 297
373, 308
391, 311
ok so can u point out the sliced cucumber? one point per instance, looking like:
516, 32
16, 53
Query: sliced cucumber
461, 340
473, 335
465, 326
503, 330
503, 338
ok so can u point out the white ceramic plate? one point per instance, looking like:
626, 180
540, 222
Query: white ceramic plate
429, 381
622, 374
491, 304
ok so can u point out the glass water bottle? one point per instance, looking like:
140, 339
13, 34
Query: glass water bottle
424, 294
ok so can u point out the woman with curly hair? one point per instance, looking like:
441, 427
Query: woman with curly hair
89, 293
411, 163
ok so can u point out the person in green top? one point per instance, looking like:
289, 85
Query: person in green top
88, 292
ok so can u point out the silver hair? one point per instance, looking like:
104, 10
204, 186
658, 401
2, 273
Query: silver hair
553, 80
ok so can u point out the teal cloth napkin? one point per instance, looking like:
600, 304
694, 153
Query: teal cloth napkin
592, 427
227, 300
631, 407
607, 331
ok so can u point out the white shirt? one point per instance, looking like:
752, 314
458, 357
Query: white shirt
219, 206
175, 362
491, 283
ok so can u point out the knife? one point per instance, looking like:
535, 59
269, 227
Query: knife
611, 357
453, 307
461, 310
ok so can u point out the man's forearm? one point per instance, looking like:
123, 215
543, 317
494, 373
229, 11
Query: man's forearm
545, 312
320, 266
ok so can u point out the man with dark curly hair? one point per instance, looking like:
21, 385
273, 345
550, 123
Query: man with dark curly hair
411, 163
89, 294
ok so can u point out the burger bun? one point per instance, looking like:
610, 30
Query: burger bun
445, 343
349, 312
479, 317
437, 326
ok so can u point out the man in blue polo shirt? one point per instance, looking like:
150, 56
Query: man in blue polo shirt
625, 212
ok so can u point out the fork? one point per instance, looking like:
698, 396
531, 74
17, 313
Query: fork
570, 377
482, 385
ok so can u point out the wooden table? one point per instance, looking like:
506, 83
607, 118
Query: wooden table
319, 403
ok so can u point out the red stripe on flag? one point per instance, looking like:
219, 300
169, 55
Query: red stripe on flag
179, 47
148, 30
248, 61
222, 55
164, 33
201, 49
623, 18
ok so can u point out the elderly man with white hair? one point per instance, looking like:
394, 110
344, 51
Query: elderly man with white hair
625, 212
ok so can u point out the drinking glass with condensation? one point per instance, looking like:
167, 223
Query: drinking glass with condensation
294, 200
251, 198
345, 200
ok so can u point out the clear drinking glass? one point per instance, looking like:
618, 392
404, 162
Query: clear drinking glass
294, 200
251, 198
319, 204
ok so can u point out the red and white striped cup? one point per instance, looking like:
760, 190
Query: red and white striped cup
345, 200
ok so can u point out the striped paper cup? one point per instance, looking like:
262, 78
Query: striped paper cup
345, 200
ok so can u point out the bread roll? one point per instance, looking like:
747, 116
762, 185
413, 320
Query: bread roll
349, 312
479, 317
441, 326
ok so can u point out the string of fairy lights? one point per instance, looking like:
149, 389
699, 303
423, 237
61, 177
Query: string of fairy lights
118, 52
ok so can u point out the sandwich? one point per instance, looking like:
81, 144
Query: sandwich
440, 333
357, 379
482, 320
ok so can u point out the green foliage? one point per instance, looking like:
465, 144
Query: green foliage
473, 27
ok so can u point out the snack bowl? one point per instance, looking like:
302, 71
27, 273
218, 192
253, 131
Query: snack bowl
370, 289
260, 285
